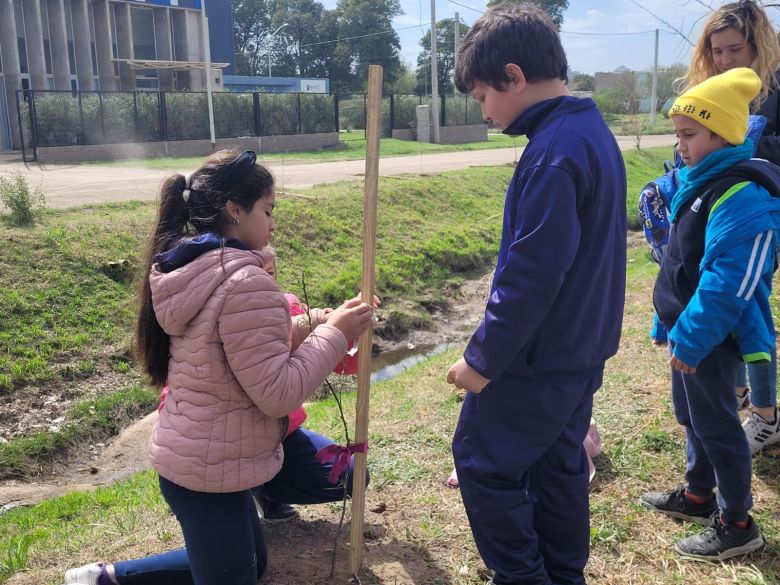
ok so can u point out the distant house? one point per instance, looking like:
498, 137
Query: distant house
606, 80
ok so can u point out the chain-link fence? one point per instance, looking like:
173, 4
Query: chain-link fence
399, 112
64, 118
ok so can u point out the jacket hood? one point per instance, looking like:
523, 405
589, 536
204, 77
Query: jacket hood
181, 293
540, 114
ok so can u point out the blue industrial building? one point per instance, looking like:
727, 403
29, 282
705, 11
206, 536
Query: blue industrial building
107, 45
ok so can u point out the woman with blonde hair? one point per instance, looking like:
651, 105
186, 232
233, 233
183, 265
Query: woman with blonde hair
740, 34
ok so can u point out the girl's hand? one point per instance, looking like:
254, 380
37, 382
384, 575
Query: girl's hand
352, 318
681, 366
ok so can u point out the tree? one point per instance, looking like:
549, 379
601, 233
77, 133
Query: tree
581, 82
296, 49
445, 51
406, 81
666, 88
555, 8
251, 21
368, 38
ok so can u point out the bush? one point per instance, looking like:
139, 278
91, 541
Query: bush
23, 205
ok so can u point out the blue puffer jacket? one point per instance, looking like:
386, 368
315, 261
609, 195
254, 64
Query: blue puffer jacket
735, 270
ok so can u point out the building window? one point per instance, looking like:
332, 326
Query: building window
22, 55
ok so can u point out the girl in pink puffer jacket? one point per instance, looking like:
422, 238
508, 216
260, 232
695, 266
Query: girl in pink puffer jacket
214, 325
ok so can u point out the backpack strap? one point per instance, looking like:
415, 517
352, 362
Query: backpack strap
756, 170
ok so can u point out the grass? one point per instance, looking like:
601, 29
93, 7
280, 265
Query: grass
412, 420
73, 314
88, 420
351, 147
626, 124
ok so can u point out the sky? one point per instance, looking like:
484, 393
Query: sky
588, 32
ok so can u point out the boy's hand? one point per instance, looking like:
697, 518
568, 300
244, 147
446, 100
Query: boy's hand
465, 377
681, 366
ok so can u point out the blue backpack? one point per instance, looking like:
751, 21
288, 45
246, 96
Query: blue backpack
655, 197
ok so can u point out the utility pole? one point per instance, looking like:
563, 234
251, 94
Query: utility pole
654, 91
457, 40
270, 39
207, 58
434, 77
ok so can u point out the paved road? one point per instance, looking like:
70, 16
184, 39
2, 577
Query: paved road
70, 185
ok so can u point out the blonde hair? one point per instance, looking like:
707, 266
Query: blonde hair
748, 18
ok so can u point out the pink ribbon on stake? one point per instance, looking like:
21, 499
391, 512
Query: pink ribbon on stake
340, 456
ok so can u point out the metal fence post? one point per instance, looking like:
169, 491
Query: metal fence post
300, 121
365, 113
102, 120
33, 125
163, 118
135, 115
256, 112
19, 99
83, 136
336, 111
392, 113
443, 113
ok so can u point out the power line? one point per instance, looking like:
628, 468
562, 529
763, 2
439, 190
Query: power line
383, 32
567, 32
464, 6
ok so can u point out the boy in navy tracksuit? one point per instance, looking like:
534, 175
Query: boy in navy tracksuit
555, 310
712, 295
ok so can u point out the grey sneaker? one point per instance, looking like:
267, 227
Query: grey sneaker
673, 503
720, 541
760, 433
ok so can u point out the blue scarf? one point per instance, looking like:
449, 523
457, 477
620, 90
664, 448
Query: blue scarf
185, 251
691, 180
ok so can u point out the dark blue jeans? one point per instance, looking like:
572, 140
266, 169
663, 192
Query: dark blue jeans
523, 476
222, 532
763, 382
717, 449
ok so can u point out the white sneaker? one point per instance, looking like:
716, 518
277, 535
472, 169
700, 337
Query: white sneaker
86, 575
760, 433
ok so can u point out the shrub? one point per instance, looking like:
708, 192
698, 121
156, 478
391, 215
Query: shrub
22, 203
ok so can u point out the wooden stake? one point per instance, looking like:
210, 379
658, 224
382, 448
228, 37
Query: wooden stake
373, 128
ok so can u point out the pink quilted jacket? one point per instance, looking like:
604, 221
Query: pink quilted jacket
233, 376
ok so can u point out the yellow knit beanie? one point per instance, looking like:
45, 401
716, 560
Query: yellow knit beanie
721, 103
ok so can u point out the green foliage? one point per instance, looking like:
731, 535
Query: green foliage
445, 57
641, 167
22, 203
555, 8
613, 100
581, 82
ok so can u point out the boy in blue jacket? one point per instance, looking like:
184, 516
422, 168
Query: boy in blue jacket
555, 310
712, 291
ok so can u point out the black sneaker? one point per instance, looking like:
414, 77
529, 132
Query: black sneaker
673, 503
278, 512
720, 541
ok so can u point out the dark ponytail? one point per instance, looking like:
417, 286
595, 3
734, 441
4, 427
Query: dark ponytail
152, 343
188, 209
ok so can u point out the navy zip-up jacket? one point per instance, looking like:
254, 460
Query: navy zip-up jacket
556, 305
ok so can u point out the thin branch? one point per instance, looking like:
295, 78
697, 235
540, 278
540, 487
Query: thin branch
337, 398
666, 23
